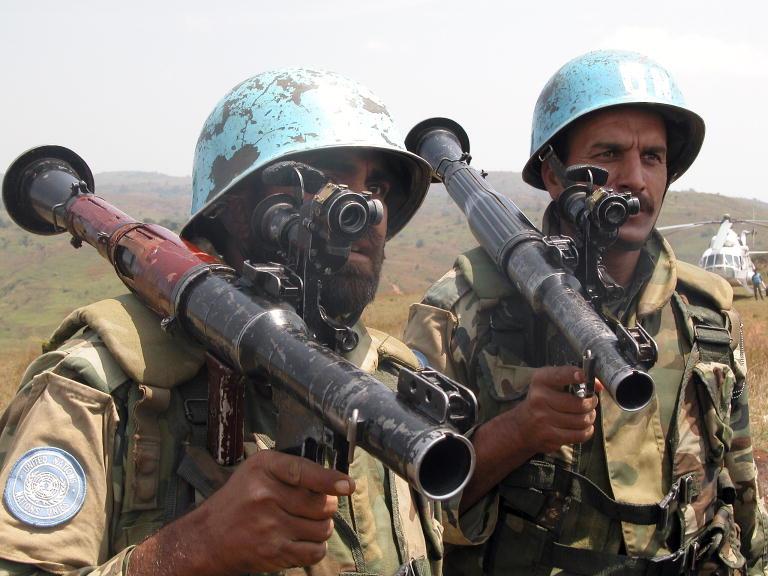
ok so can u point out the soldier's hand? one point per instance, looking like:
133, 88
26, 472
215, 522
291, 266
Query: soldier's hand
551, 414
275, 512
549, 417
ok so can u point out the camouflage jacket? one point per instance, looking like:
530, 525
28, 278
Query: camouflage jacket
128, 403
691, 445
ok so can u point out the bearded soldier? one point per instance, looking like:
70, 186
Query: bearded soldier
576, 485
118, 406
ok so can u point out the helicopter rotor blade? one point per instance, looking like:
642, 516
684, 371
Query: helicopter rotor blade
688, 226
761, 223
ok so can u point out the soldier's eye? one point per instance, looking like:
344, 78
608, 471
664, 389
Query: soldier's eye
379, 189
654, 157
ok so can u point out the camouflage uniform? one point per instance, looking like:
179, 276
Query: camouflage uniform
691, 446
130, 403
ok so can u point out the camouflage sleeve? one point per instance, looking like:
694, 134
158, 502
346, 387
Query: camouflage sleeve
749, 510
58, 472
432, 323
443, 327
473, 526
499, 385
115, 566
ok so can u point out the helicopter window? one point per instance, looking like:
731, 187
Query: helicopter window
728, 260
708, 261
718, 259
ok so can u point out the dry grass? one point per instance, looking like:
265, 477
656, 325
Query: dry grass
390, 312
754, 315
12, 368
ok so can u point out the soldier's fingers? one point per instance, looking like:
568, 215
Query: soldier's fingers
304, 530
557, 377
565, 421
297, 471
312, 505
599, 387
571, 404
304, 553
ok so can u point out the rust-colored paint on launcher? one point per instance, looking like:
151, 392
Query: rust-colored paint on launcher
148, 258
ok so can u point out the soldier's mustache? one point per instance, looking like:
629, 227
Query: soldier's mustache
647, 202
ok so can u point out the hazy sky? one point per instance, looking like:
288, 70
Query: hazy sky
128, 85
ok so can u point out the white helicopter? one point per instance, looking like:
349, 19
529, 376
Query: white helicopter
728, 254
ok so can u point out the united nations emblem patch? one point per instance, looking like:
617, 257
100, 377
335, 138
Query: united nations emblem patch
46, 487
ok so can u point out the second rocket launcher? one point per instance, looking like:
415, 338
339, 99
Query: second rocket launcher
519, 251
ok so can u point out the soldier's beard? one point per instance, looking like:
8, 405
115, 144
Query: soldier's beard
348, 291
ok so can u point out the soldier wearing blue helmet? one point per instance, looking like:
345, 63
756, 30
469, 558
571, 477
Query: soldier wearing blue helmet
130, 489
319, 118
573, 485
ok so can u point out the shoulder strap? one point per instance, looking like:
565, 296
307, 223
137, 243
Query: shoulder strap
393, 350
704, 286
483, 276
707, 329
132, 334
85, 359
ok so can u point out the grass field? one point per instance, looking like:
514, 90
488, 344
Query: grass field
755, 318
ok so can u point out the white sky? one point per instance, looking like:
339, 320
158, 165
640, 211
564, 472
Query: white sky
128, 85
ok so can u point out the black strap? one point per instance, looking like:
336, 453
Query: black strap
709, 333
714, 343
195, 399
589, 562
546, 476
555, 164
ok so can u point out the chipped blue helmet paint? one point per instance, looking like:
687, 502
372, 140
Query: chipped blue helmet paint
607, 78
280, 114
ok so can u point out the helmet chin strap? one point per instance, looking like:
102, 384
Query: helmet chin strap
550, 157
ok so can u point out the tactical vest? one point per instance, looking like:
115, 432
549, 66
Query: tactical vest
161, 467
638, 498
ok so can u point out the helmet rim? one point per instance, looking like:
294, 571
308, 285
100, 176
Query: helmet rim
605, 79
420, 181
280, 114
693, 142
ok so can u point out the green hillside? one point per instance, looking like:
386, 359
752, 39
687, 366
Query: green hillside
43, 278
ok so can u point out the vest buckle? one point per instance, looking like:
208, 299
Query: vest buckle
681, 492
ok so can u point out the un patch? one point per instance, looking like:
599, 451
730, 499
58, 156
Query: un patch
46, 487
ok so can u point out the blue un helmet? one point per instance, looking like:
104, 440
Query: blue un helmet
280, 114
607, 78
